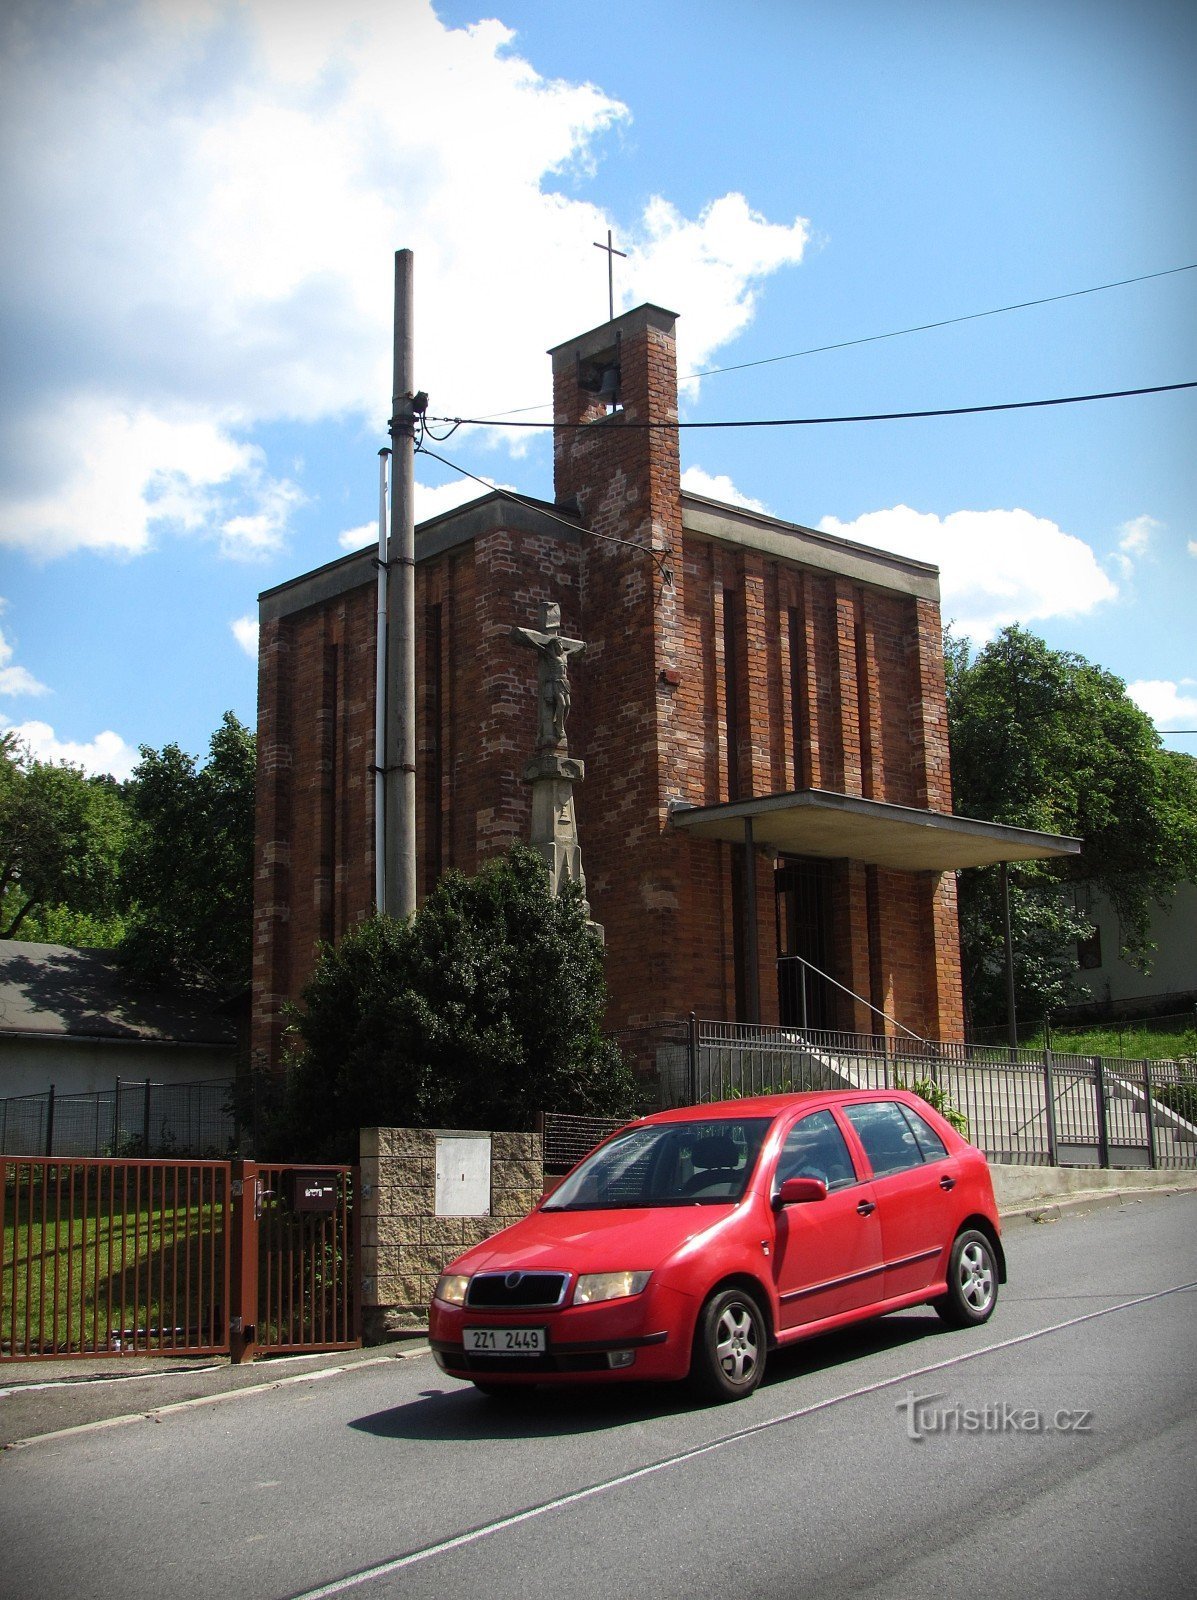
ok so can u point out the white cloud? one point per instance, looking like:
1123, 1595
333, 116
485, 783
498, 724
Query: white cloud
1193, 547
708, 268
15, 680
358, 538
718, 486
1169, 705
131, 473
996, 567
202, 204
1136, 535
107, 752
245, 631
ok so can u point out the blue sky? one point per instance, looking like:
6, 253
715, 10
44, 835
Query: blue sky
202, 204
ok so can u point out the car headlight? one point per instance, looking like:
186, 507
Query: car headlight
451, 1288
592, 1287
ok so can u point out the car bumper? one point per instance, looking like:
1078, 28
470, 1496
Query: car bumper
643, 1337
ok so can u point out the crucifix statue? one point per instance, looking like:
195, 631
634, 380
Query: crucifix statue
552, 771
552, 675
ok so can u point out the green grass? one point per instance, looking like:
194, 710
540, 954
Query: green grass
84, 1279
1137, 1041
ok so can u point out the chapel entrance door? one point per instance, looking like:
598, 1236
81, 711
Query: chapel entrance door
804, 900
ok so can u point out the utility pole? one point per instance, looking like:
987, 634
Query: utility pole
399, 877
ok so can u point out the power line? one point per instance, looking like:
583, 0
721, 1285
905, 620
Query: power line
541, 510
944, 322
810, 422
898, 333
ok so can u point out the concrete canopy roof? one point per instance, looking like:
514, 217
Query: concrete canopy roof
819, 822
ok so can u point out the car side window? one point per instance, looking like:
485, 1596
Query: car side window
815, 1148
886, 1135
929, 1142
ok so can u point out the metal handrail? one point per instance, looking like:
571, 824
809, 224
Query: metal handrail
876, 1010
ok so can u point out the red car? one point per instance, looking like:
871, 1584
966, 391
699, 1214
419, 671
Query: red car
692, 1242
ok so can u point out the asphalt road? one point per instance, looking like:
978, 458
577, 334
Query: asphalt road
1051, 1452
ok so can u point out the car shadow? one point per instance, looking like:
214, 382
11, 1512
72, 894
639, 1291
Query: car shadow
458, 1411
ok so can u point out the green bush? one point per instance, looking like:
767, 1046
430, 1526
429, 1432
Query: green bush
937, 1098
481, 1011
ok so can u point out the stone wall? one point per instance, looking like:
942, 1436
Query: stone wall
405, 1244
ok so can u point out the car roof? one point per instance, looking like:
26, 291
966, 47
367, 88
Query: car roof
772, 1105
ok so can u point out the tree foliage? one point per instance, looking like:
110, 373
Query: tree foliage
1044, 739
189, 864
480, 1011
61, 840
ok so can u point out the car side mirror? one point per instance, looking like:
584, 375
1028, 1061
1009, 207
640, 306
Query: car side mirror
799, 1192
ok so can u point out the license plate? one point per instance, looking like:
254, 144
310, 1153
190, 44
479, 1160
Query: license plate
505, 1341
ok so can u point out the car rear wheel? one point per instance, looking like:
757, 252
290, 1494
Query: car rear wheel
972, 1282
729, 1346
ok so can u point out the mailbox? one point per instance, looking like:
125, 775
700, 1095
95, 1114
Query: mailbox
311, 1191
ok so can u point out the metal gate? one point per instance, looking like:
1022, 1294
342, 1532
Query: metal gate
110, 1258
297, 1264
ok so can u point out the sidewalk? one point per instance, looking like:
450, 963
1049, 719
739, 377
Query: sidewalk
40, 1398
45, 1397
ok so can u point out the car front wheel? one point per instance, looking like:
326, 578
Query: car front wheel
729, 1346
972, 1282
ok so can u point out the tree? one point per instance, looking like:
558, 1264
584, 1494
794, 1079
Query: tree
1044, 739
480, 1011
61, 838
189, 864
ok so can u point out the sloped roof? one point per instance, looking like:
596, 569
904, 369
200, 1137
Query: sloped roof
56, 991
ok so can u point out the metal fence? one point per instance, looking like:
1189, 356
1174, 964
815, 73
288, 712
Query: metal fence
103, 1257
113, 1257
1022, 1106
133, 1118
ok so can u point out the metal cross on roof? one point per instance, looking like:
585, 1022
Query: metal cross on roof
612, 252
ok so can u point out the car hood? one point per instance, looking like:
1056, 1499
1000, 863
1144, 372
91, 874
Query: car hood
594, 1241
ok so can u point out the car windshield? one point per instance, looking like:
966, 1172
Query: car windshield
704, 1162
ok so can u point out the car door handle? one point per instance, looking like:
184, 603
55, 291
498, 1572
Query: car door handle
866, 1208
947, 1182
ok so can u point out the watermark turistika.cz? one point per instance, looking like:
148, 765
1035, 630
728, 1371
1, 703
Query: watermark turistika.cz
926, 1416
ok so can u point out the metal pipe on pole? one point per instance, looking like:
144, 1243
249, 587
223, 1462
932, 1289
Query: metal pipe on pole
1008, 941
399, 888
380, 692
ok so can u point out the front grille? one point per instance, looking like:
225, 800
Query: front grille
510, 1291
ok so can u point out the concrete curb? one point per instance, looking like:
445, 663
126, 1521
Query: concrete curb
1053, 1210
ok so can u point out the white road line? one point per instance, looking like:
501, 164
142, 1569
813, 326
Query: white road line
384, 1569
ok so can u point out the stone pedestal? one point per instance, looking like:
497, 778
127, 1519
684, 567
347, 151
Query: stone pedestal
554, 821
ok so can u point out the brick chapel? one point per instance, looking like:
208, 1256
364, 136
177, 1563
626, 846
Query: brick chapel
760, 709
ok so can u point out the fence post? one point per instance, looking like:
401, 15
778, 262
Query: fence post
1099, 1085
692, 1060
1049, 1106
1152, 1155
243, 1279
145, 1123
50, 1123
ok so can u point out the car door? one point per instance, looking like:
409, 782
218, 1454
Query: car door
827, 1253
913, 1176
